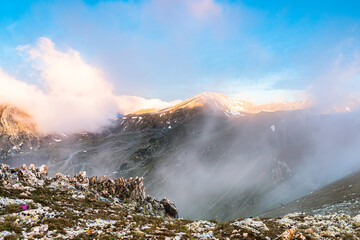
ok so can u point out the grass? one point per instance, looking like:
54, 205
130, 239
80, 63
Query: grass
15, 208
11, 237
59, 224
9, 224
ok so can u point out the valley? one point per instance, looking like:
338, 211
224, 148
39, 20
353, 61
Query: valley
213, 159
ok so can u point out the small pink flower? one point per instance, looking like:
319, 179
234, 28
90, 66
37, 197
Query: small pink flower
24, 207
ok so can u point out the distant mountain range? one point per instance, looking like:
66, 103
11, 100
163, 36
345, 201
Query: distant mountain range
214, 156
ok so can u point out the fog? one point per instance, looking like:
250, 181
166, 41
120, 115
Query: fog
247, 165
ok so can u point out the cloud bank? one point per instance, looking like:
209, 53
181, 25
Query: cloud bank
71, 96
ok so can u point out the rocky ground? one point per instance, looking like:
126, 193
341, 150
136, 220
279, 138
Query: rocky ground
33, 206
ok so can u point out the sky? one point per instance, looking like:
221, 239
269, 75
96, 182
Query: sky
162, 51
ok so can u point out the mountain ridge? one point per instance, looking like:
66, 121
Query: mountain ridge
229, 105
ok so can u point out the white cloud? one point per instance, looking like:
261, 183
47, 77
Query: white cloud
75, 95
129, 104
264, 90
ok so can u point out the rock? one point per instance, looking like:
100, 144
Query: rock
32, 168
105, 189
25, 194
253, 225
82, 174
103, 178
288, 234
13, 179
43, 171
357, 220
93, 180
5, 233
24, 167
170, 208
201, 226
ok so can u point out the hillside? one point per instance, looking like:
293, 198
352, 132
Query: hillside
341, 196
34, 206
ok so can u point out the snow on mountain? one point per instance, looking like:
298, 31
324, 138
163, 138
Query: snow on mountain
227, 105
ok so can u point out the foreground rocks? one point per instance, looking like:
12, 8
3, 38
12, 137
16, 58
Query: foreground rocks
33, 206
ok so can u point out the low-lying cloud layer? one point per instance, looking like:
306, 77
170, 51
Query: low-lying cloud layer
72, 95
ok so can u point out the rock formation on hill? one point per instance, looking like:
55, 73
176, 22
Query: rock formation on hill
33, 206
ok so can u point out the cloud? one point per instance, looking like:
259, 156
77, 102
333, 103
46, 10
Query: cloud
73, 96
338, 83
264, 89
204, 9
129, 104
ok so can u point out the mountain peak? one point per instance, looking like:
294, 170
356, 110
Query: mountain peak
225, 104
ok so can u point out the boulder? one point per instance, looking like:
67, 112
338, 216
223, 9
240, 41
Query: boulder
170, 208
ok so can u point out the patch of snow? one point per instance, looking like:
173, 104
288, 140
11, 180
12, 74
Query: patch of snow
273, 128
63, 134
236, 113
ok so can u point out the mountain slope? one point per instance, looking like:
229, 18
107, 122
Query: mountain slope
211, 163
208, 158
17, 131
204, 103
341, 196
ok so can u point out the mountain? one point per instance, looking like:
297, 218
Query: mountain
213, 156
230, 106
204, 103
219, 102
17, 131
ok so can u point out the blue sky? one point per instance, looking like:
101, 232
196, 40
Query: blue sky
176, 49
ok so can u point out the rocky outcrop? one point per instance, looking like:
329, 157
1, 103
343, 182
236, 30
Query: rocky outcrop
117, 189
33, 206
